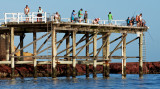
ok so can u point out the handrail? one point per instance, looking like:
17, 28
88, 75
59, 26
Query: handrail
20, 17
32, 16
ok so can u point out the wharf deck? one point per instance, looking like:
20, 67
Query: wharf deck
68, 26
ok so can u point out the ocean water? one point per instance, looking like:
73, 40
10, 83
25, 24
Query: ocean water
150, 81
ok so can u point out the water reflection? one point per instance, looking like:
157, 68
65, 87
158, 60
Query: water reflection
115, 81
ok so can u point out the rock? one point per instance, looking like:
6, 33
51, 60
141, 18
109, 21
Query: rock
45, 70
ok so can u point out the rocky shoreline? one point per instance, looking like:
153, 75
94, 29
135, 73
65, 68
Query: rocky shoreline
45, 70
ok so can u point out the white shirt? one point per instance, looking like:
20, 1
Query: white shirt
26, 10
40, 11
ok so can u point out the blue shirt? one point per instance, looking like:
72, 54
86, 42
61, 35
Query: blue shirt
72, 15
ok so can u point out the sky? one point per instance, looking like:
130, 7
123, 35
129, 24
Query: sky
120, 9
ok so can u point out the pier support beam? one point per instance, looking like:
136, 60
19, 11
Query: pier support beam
124, 54
34, 53
104, 54
87, 54
21, 46
54, 71
94, 54
106, 50
74, 53
67, 51
7, 46
141, 55
12, 50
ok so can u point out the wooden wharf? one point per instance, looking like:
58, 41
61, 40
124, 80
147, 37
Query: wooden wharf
90, 34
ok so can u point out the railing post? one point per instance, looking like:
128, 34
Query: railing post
21, 18
45, 17
115, 22
32, 17
18, 18
88, 21
5, 18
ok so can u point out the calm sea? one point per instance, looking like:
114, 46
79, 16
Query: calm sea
150, 81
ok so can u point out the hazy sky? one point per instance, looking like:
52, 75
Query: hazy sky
120, 9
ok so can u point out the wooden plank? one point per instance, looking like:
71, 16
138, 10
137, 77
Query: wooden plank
87, 44
117, 57
24, 62
44, 43
132, 57
51, 46
67, 44
116, 47
21, 45
104, 43
115, 39
87, 54
128, 43
5, 62
65, 37
81, 40
30, 43
7, 46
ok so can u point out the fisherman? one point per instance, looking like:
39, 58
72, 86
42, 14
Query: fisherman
85, 16
96, 21
26, 12
143, 23
137, 20
110, 18
140, 19
73, 16
132, 20
57, 17
40, 11
80, 15
128, 21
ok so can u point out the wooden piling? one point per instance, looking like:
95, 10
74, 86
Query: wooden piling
94, 54
124, 55
21, 46
54, 75
107, 56
141, 55
106, 50
67, 51
12, 50
104, 54
74, 53
34, 53
7, 46
87, 54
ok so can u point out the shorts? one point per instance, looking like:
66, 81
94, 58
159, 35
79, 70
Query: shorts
109, 21
26, 15
39, 15
80, 18
72, 18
